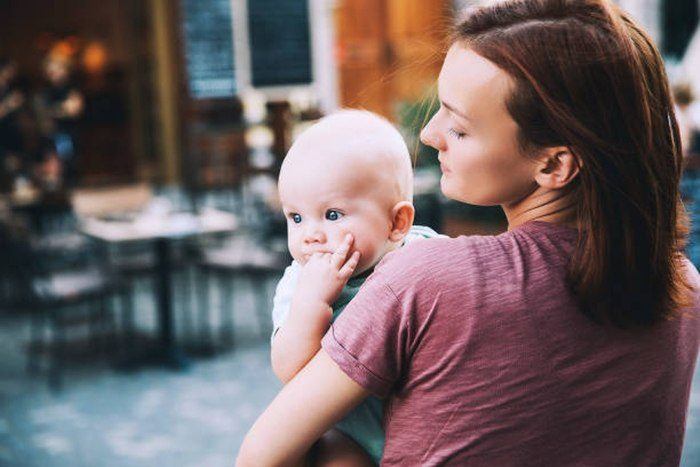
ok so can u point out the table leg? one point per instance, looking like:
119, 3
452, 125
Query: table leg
172, 354
164, 293
166, 352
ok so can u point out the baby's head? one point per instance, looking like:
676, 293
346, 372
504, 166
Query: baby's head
348, 173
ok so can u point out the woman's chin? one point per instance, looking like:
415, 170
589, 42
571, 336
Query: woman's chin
444, 185
449, 191
456, 194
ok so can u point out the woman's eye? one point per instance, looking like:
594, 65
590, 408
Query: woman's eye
296, 218
333, 215
456, 134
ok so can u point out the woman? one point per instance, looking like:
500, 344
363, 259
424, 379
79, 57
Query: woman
11, 140
571, 339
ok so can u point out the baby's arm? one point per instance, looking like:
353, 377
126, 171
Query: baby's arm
318, 285
299, 339
282, 301
295, 342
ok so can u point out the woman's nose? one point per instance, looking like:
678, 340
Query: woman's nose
430, 137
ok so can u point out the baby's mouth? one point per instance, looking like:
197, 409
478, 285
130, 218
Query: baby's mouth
306, 256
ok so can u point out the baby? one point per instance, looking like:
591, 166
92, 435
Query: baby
346, 188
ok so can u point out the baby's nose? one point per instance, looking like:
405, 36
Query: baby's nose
314, 236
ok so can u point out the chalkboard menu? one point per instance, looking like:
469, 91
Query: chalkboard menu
280, 46
208, 38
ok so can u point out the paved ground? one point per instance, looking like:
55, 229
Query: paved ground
150, 417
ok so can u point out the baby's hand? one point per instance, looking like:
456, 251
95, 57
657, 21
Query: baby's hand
324, 275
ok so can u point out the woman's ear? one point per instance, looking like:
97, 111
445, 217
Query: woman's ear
557, 167
401, 220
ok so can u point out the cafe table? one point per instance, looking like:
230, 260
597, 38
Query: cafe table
161, 231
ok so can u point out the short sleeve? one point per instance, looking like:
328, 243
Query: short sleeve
369, 340
284, 292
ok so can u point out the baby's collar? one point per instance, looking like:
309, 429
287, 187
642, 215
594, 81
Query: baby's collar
362, 276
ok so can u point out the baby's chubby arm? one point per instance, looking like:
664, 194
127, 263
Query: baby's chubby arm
282, 301
320, 282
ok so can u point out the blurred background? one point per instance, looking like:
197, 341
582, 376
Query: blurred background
140, 231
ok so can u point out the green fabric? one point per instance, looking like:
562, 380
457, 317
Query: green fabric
364, 423
349, 292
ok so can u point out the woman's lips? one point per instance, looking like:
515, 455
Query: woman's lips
443, 166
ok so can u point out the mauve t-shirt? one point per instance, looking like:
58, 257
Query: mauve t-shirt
486, 359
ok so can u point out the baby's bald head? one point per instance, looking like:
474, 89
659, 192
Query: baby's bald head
350, 173
359, 144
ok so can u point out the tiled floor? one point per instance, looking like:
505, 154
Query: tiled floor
153, 417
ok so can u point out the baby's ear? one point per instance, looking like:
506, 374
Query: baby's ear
401, 220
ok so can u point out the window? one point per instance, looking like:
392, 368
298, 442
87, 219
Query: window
208, 46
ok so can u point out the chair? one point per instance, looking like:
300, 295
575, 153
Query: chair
132, 261
60, 297
238, 260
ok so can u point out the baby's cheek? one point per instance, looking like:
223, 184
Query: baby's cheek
367, 252
337, 238
294, 247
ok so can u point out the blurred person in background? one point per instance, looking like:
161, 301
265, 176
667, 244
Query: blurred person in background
47, 169
59, 105
12, 100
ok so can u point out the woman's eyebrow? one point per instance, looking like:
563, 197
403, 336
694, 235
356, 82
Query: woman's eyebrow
452, 109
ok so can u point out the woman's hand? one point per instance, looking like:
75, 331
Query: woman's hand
324, 275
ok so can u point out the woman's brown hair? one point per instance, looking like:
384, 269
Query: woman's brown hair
588, 78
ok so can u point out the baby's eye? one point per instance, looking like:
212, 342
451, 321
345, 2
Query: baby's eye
333, 215
296, 218
456, 134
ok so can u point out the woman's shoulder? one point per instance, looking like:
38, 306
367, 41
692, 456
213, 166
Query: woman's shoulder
473, 256
449, 249
425, 247
422, 259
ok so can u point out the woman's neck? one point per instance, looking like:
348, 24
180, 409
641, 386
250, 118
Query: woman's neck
554, 206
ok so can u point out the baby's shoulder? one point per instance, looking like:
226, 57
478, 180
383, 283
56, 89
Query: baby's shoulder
421, 232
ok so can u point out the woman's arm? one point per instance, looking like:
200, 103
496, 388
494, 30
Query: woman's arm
319, 396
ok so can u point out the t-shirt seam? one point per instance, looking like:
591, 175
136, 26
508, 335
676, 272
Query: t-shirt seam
352, 356
357, 361
388, 287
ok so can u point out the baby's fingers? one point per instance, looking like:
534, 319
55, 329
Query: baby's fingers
339, 255
349, 266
